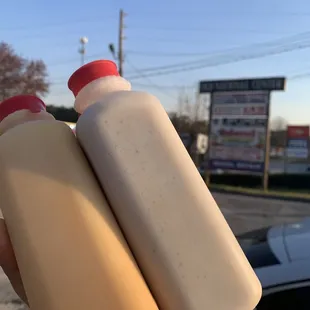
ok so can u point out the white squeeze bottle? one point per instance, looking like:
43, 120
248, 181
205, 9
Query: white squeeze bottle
69, 248
180, 239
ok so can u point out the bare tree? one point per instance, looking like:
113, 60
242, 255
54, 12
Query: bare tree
278, 124
19, 75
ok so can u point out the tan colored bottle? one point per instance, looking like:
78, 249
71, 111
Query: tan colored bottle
182, 243
69, 248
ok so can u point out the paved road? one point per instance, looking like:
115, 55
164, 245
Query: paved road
8, 298
245, 213
242, 213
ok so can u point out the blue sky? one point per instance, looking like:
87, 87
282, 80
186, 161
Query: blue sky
162, 33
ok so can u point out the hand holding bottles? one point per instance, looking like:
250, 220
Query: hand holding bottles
71, 242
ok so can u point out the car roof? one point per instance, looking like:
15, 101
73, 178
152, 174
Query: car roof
287, 242
297, 240
257, 249
279, 254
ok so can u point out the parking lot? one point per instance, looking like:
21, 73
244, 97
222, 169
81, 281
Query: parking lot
243, 214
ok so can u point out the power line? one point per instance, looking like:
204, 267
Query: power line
151, 83
70, 34
94, 19
207, 29
40, 26
91, 20
287, 44
207, 53
74, 60
142, 15
216, 61
212, 62
94, 33
174, 40
221, 12
224, 52
284, 41
194, 85
300, 76
165, 54
178, 87
60, 33
167, 40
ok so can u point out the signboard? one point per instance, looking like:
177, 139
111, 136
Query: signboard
241, 142
238, 130
262, 84
201, 142
297, 142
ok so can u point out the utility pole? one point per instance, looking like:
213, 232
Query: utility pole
120, 42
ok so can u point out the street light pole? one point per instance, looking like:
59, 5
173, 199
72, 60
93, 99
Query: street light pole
82, 50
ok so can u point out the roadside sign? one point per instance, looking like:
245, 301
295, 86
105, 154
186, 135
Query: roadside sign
297, 142
238, 131
239, 124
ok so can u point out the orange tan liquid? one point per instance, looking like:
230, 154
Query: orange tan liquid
69, 248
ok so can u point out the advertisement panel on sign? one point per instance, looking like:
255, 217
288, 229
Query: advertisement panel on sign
296, 132
242, 153
242, 97
254, 103
297, 153
238, 130
297, 142
236, 165
239, 109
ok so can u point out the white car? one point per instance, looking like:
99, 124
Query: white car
280, 256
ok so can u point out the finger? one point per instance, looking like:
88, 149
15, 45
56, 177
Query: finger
7, 257
8, 262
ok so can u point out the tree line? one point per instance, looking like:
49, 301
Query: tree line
182, 124
63, 114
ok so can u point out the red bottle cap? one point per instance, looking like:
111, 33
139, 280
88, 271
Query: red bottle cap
90, 72
22, 102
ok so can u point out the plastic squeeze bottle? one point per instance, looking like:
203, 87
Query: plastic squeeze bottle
69, 248
180, 239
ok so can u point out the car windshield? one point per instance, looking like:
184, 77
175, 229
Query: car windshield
254, 237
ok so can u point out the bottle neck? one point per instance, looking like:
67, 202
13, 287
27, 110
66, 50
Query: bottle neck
21, 117
97, 89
